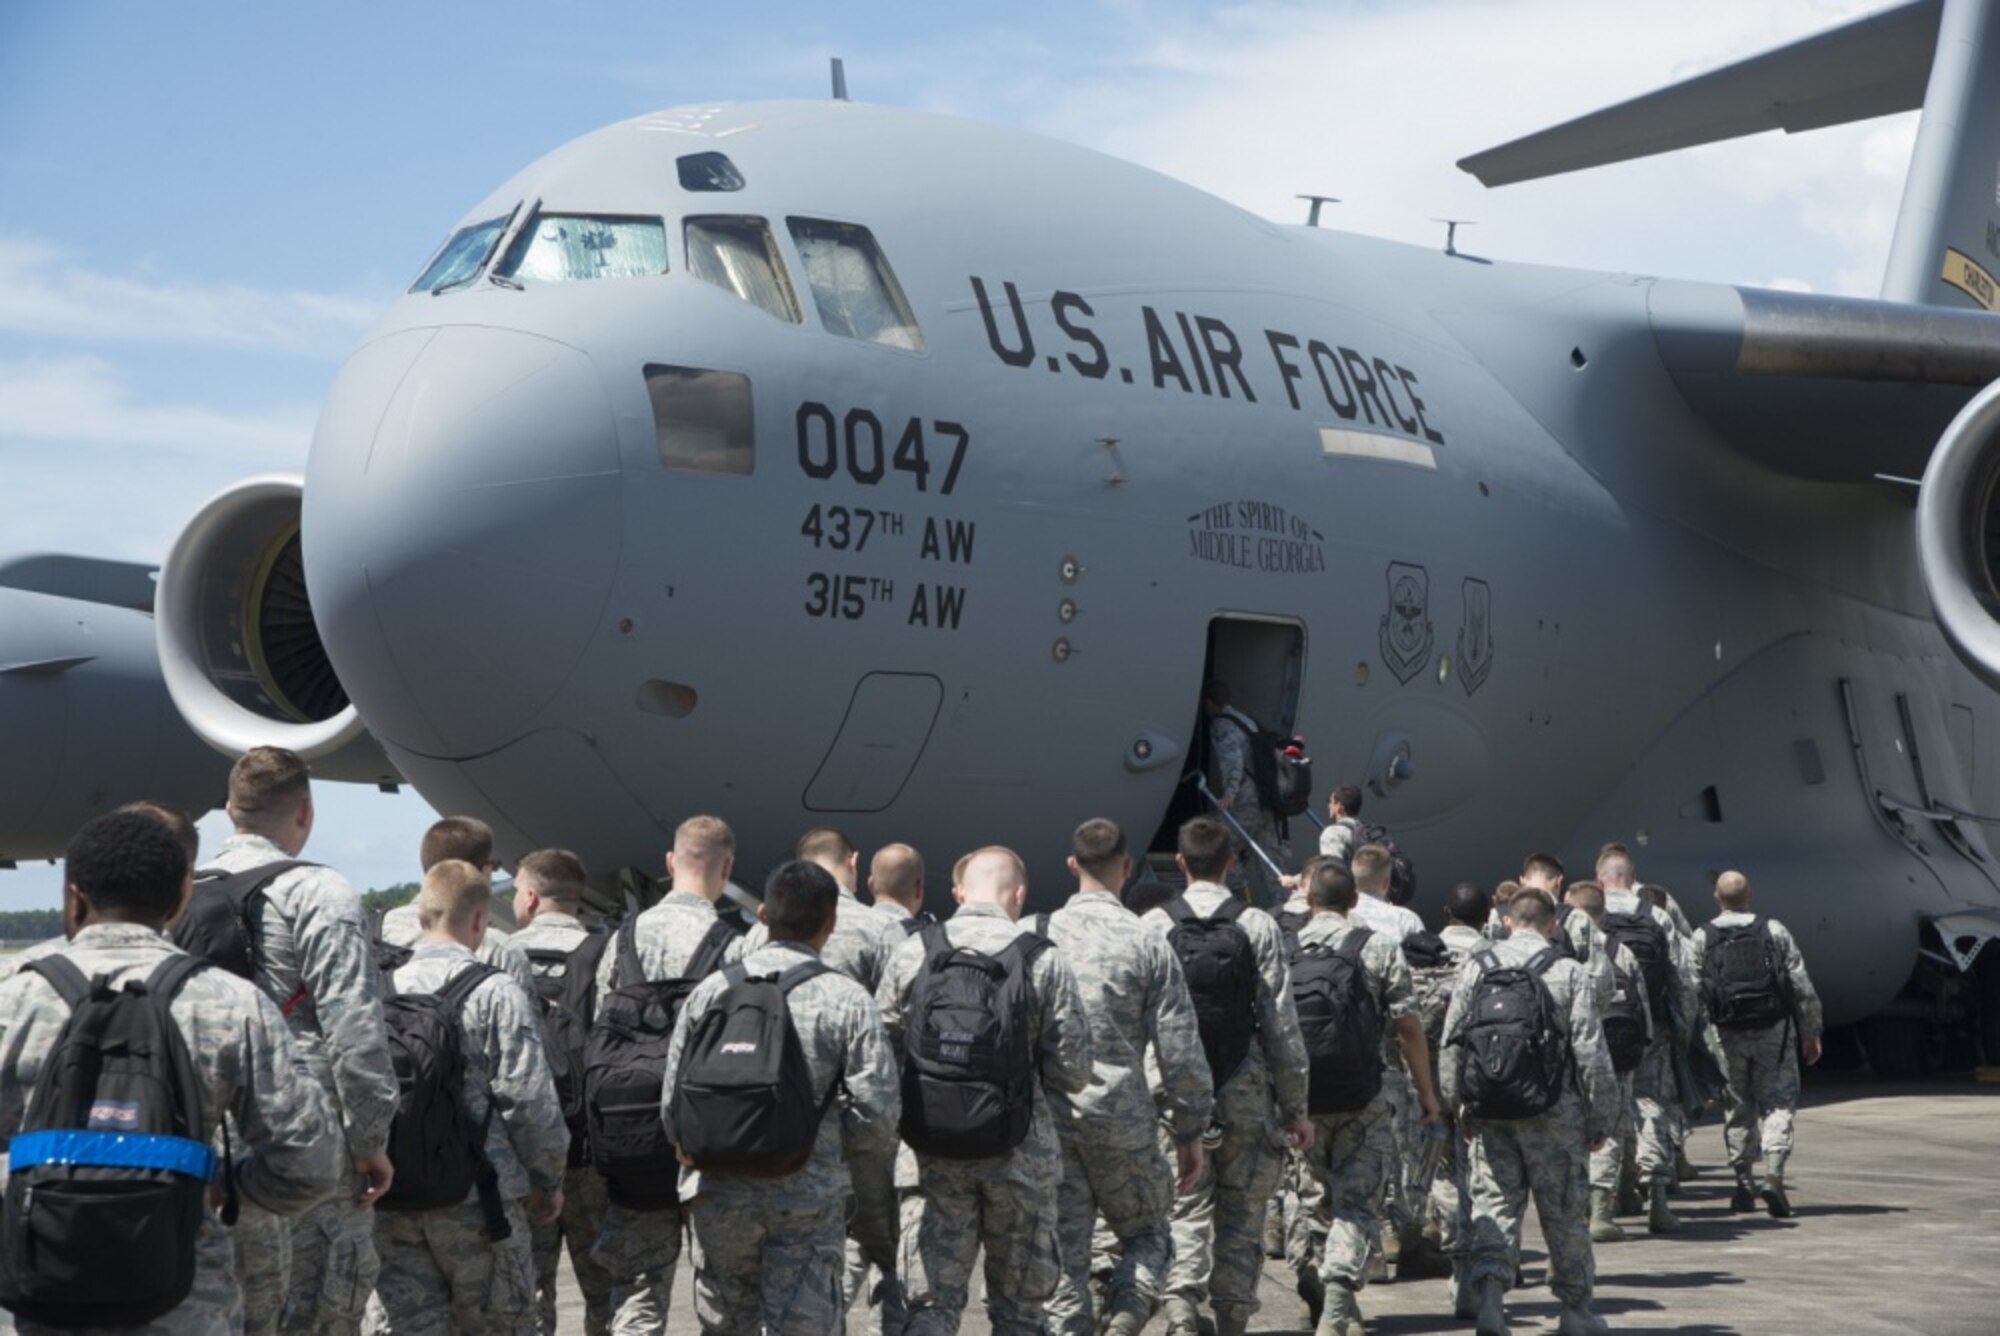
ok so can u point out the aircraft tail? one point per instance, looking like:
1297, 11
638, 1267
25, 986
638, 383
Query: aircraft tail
1940, 55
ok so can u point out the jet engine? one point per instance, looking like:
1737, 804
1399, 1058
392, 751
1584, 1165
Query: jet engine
1958, 533
239, 650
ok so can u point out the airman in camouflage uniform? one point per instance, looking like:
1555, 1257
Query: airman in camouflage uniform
548, 888
1465, 909
441, 1272
470, 839
1763, 1062
1218, 1225
1546, 1155
1236, 790
1585, 900
1007, 1204
314, 961
244, 1057
768, 1251
1131, 988
1354, 1154
500, 950
863, 939
641, 1248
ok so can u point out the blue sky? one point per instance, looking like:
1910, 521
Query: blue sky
203, 205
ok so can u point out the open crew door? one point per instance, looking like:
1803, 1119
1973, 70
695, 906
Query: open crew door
1263, 660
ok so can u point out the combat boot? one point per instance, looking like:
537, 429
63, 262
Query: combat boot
1464, 1299
1660, 1220
1775, 1200
1312, 1291
1180, 1317
1580, 1321
1234, 1323
1420, 1258
1745, 1196
1342, 1315
1490, 1315
1604, 1228
1631, 1201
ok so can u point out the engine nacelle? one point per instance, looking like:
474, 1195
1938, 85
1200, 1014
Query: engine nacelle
1958, 533
239, 650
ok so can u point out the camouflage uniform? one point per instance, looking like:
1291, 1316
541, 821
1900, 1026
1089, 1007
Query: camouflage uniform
1764, 1063
439, 1271
640, 1249
767, 1251
1623, 972
1546, 1155
1008, 1203
864, 936
1131, 988
1447, 1188
313, 960
1339, 839
1219, 1226
1655, 1090
584, 1199
1354, 1155
1235, 785
248, 1067
401, 927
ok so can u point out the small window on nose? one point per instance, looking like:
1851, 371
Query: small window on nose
702, 419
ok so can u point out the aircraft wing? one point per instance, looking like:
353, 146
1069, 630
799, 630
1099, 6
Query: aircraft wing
1835, 388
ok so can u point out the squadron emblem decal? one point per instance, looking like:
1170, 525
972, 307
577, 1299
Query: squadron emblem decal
1475, 636
1406, 631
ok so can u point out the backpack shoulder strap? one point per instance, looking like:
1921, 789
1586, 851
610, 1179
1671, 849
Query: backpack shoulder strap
1246, 730
709, 952
1351, 945
630, 971
1487, 961
461, 986
167, 979
936, 942
240, 886
1029, 945
1228, 911
1179, 910
1041, 922
63, 976
799, 973
1544, 960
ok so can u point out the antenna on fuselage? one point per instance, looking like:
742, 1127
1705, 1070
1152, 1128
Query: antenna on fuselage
839, 80
1451, 226
1312, 214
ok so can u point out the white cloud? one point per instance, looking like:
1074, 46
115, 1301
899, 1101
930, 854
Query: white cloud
46, 290
80, 399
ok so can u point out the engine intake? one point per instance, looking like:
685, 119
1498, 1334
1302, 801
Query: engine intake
1958, 533
239, 650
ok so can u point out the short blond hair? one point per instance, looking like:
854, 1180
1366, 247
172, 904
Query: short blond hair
706, 840
454, 890
896, 872
994, 871
1732, 890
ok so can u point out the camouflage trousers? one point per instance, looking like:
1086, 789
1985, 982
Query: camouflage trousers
1656, 1108
1007, 1206
764, 1265
1218, 1226
1763, 1093
326, 1267
1605, 1164
262, 1246
639, 1251
1448, 1197
1132, 1190
1249, 876
1506, 1163
440, 1274
872, 1239
1352, 1158
582, 1218
1402, 1196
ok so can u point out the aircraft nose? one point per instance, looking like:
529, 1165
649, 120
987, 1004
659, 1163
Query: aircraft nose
461, 531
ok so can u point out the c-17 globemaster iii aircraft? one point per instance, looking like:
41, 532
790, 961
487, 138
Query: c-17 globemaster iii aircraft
819, 462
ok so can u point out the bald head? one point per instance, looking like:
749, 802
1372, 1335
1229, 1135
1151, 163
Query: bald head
1732, 891
994, 876
704, 852
896, 875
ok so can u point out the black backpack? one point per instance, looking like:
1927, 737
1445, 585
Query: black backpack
1279, 768
743, 1097
920, 920
220, 923
1402, 872
1625, 1021
1517, 1053
1221, 969
625, 1065
388, 956
1341, 1022
1646, 938
567, 1006
440, 1157
1741, 980
968, 1063
108, 1178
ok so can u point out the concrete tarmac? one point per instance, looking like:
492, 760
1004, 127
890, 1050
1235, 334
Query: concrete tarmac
1897, 1233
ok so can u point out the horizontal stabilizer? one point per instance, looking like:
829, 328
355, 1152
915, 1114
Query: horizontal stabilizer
1874, 66
114, 584
45, 667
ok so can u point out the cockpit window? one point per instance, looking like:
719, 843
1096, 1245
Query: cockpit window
463, 256
567, 247
740, 256
708, 171
856, 291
